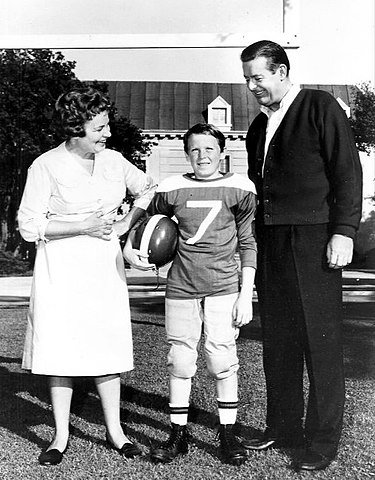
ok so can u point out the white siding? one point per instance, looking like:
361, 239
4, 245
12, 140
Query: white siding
168, 158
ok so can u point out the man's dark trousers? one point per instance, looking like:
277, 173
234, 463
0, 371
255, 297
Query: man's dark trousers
300, 302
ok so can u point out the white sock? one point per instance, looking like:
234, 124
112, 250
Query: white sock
179, 414
227, 412
179, 394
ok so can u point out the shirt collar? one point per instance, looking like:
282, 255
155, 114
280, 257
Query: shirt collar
286, 101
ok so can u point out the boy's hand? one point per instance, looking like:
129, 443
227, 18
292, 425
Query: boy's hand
136, 260
242, 313
134, 257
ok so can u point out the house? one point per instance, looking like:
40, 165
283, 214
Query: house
165, 110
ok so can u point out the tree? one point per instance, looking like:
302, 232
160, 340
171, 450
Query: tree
363, 118
363, 124
30, 82
126, 137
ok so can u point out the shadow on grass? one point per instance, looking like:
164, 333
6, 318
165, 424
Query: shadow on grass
24, 398
17, 413
24, 405
88, 407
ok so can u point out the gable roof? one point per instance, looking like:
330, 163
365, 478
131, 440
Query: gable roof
170, 106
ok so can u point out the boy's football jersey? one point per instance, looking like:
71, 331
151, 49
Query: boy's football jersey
214, 216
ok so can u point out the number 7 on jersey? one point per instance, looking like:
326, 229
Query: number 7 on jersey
215, 207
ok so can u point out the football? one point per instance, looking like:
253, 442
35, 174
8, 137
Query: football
157, 237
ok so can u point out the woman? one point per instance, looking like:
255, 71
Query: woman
79, 319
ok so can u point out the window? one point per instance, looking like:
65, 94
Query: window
225, 164
220, 114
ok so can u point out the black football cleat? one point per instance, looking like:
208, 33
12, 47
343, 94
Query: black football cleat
231, 449
177, 444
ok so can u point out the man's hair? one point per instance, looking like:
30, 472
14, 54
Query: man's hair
79, 106
274, 53
204, 129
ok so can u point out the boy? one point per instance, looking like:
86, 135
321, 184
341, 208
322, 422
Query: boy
215, 212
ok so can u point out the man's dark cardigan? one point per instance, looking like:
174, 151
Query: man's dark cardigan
310, 189
312, 173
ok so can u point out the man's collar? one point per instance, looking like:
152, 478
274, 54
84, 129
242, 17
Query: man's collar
285, 101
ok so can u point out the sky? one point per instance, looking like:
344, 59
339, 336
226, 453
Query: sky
335, 38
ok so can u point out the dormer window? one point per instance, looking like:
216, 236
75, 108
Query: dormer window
220, 114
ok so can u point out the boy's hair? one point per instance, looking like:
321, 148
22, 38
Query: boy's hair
204, 129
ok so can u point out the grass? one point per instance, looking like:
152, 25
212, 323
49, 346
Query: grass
26, 423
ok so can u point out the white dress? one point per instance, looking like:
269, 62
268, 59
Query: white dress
79, 318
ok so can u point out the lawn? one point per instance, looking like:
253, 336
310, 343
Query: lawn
26, 420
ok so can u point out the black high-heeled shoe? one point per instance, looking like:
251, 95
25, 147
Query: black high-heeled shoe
52, 457
128, 450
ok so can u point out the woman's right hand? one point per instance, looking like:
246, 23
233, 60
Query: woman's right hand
97, 226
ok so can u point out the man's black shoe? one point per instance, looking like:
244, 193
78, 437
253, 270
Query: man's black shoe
265, 441
312, 461
177, 444
232, 451
269, 439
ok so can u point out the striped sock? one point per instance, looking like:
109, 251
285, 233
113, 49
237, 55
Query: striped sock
178, 414
227, 412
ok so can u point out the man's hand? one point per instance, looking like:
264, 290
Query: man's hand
339, 251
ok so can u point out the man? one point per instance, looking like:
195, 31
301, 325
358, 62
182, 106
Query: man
303, 161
